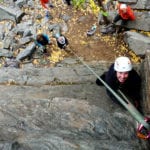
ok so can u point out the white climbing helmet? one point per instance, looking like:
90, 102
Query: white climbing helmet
123, 64
61, 40
123, 6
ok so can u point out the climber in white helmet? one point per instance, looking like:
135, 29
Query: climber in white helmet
122, 76
62, 41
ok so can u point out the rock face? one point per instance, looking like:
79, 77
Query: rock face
137, 4
12, 13
138, 42
146, 83
142, 21
62, 110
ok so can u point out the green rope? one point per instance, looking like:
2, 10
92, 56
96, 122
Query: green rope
127, 104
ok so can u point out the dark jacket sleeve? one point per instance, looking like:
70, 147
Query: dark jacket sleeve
112, 81
132, 87
98, 82
111, 78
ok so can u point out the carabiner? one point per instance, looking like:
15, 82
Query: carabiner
142, 132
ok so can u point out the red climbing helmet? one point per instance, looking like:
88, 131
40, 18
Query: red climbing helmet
142, 132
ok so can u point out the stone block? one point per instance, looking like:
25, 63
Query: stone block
139, 43
145, 69
12, 13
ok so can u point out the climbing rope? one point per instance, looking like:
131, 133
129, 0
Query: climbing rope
126, 103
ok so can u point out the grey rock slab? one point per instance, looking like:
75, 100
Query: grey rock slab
128, 1
12, 13
137, 4
139, 43
46, 76
65, 123
142, 21
141, 4
27, 52
5, 53
62, 108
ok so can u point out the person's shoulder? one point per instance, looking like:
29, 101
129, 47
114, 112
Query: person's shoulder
133, 71
135, 74
46, 36
111, 66
111, 69
129, 8
111, 74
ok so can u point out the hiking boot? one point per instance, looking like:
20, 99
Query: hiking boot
47, 15
92, 30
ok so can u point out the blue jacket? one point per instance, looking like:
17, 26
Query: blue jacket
45, 41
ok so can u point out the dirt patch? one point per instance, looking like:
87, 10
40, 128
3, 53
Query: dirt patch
96, 47
93, 47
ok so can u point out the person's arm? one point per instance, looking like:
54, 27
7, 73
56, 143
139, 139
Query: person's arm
47, 38
131, 14
103, 76
111, 80
134, 88
110, 77
37, 43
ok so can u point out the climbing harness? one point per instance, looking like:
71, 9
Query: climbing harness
143, 130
